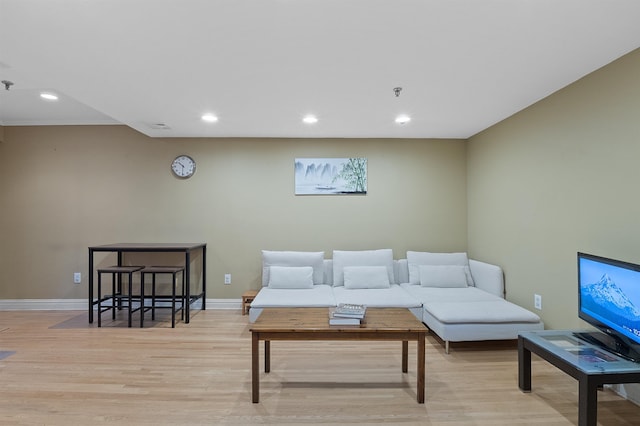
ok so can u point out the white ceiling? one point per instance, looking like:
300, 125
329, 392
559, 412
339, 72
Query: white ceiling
261, 65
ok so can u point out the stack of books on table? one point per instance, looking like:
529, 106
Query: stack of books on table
347, 314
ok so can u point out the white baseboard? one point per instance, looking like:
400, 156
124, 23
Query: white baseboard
629, 391
82, 304
43, 304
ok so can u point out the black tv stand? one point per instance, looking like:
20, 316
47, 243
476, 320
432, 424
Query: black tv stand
610, 344
590, 365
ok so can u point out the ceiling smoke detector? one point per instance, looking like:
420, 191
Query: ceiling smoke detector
159, 126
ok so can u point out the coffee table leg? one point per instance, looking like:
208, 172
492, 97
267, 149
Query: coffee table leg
405, 356
267, 356
255, 368
420, 373
524, 366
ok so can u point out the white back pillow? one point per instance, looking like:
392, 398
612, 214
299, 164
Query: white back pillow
446, 276
341, 259
290, 277
293, 258
366, 277
417, 258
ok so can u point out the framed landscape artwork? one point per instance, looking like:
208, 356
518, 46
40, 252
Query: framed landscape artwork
330, 176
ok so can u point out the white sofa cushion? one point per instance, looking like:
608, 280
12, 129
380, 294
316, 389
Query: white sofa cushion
290, 277
319, 296
496, 311
341, 258
446, 276
293, 258
366, 277
436, 294
417, 258
392, 297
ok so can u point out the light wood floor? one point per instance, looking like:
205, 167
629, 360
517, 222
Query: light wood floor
56, 369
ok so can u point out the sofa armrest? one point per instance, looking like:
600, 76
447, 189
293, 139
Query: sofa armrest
487, 277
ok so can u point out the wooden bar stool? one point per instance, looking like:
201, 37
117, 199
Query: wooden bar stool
158, 270
116, 296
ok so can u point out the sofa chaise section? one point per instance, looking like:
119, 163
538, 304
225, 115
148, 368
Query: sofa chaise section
472, 310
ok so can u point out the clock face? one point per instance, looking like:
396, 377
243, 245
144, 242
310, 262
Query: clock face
183, 166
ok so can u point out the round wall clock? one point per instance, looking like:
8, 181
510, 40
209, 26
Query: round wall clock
183, 166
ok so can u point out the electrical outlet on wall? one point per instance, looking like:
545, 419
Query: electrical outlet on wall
537, 301
227, 278
77, 277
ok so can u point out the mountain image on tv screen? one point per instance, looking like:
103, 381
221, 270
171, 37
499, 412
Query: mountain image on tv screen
614, 304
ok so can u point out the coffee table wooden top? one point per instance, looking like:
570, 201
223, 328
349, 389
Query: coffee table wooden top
307, 320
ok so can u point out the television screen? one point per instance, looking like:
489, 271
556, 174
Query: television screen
609, 296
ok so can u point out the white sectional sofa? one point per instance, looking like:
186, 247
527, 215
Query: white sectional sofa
459, 299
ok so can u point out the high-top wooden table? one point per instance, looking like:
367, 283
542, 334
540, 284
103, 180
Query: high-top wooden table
186, 248
313, 324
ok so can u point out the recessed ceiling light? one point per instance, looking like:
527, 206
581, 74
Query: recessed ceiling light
209, 118
310, 119
49, 96
403, 119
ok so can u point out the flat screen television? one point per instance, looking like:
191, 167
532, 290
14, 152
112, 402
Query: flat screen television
609, 300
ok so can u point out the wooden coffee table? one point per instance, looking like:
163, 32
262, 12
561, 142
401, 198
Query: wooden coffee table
313, 324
